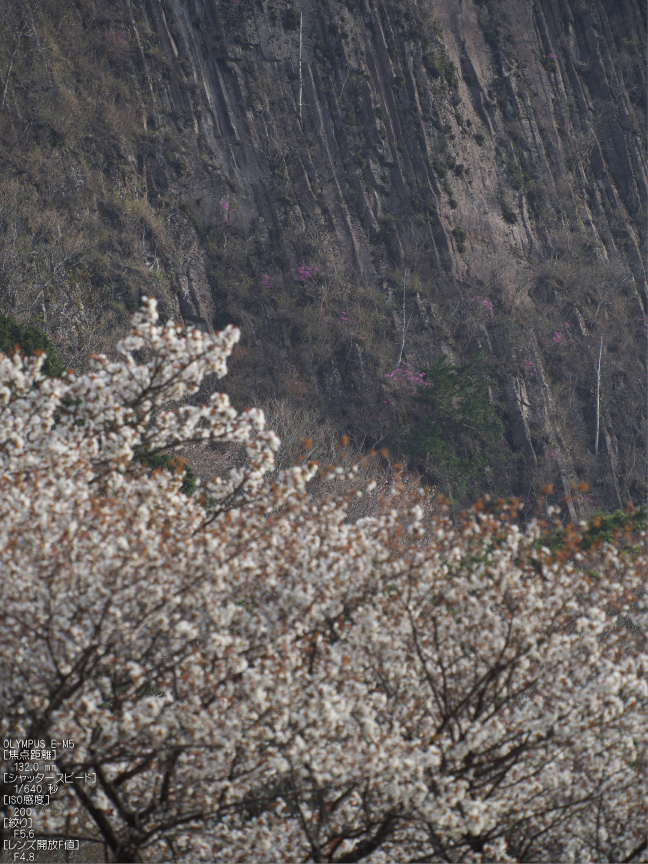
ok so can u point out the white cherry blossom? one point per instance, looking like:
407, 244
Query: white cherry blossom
253, 677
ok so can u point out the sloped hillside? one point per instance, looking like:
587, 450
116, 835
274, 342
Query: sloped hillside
433, 179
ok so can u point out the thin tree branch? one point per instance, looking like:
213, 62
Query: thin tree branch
301, 17
404, 327
598, 398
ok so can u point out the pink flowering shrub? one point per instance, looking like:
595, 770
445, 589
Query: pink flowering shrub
389, 689
406, 378
588, 503
485, 302
306, 272
227, 210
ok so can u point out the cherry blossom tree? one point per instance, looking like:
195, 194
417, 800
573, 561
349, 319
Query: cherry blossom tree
253, 677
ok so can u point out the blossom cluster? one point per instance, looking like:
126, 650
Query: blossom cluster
485, 302
331, 689
306, 272
227, 210
404, 375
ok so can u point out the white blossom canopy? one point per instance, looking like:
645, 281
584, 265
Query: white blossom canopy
252, 678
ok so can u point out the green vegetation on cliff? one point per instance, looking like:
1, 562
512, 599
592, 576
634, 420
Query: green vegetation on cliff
28, 339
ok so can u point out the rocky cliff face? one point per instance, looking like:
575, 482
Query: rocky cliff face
429, 179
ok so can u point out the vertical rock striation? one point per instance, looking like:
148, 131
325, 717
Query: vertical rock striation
494, 150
